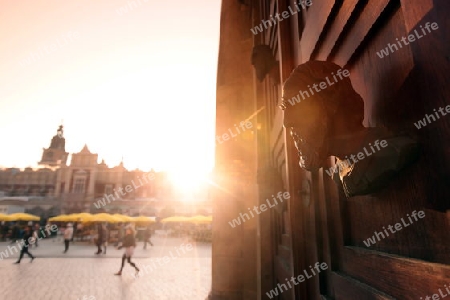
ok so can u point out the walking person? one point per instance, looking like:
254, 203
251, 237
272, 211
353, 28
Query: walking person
119, 234
105, 238
99, 238
36, 234
74, 231
15, 233
68, 234
129, 243
147, 236
5, 231
27, 240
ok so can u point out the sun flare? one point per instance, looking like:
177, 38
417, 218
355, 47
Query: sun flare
188, 181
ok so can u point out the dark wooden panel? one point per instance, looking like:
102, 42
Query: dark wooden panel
323, 211
384, 83
359, 30
286, 58
283, 171
313, 234
416, 10
326, 254
389, 94
278, 147
283, 271
281, 161
422, 239
297, 217
271, 32
276, 132
336, 219
329, 41
316, 19
432, 66
347, 288
391, 91
404, 278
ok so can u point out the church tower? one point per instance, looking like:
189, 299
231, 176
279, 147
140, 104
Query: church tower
56, 154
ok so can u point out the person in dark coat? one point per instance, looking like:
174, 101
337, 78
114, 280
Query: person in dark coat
36, 234
68, 235
27, 240
100, 238
15, 233
129, 243
105, 238
147, 236
5, 231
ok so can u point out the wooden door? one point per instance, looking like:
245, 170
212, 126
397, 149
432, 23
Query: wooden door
398, 90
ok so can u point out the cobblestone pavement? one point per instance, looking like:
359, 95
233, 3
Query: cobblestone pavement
167, 272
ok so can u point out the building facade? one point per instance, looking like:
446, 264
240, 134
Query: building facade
85, 182
396, 54
85, 185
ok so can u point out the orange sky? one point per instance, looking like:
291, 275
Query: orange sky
136, 81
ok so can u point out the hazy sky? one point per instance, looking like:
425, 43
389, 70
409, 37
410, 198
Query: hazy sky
132, 80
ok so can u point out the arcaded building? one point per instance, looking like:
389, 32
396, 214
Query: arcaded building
86, 181
83, 185
348, 101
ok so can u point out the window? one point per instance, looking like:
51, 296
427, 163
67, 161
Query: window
78, 187
108, 189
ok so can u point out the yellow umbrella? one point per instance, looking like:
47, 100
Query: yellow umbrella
143, 219
176, 219
60, 218
123, 218
201, 220
23, 217
4, 217
78, 217
102, 217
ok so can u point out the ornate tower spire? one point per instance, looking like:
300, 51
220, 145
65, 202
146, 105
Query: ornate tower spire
55, 154
58, 141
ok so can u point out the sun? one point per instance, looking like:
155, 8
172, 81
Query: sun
188, 181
